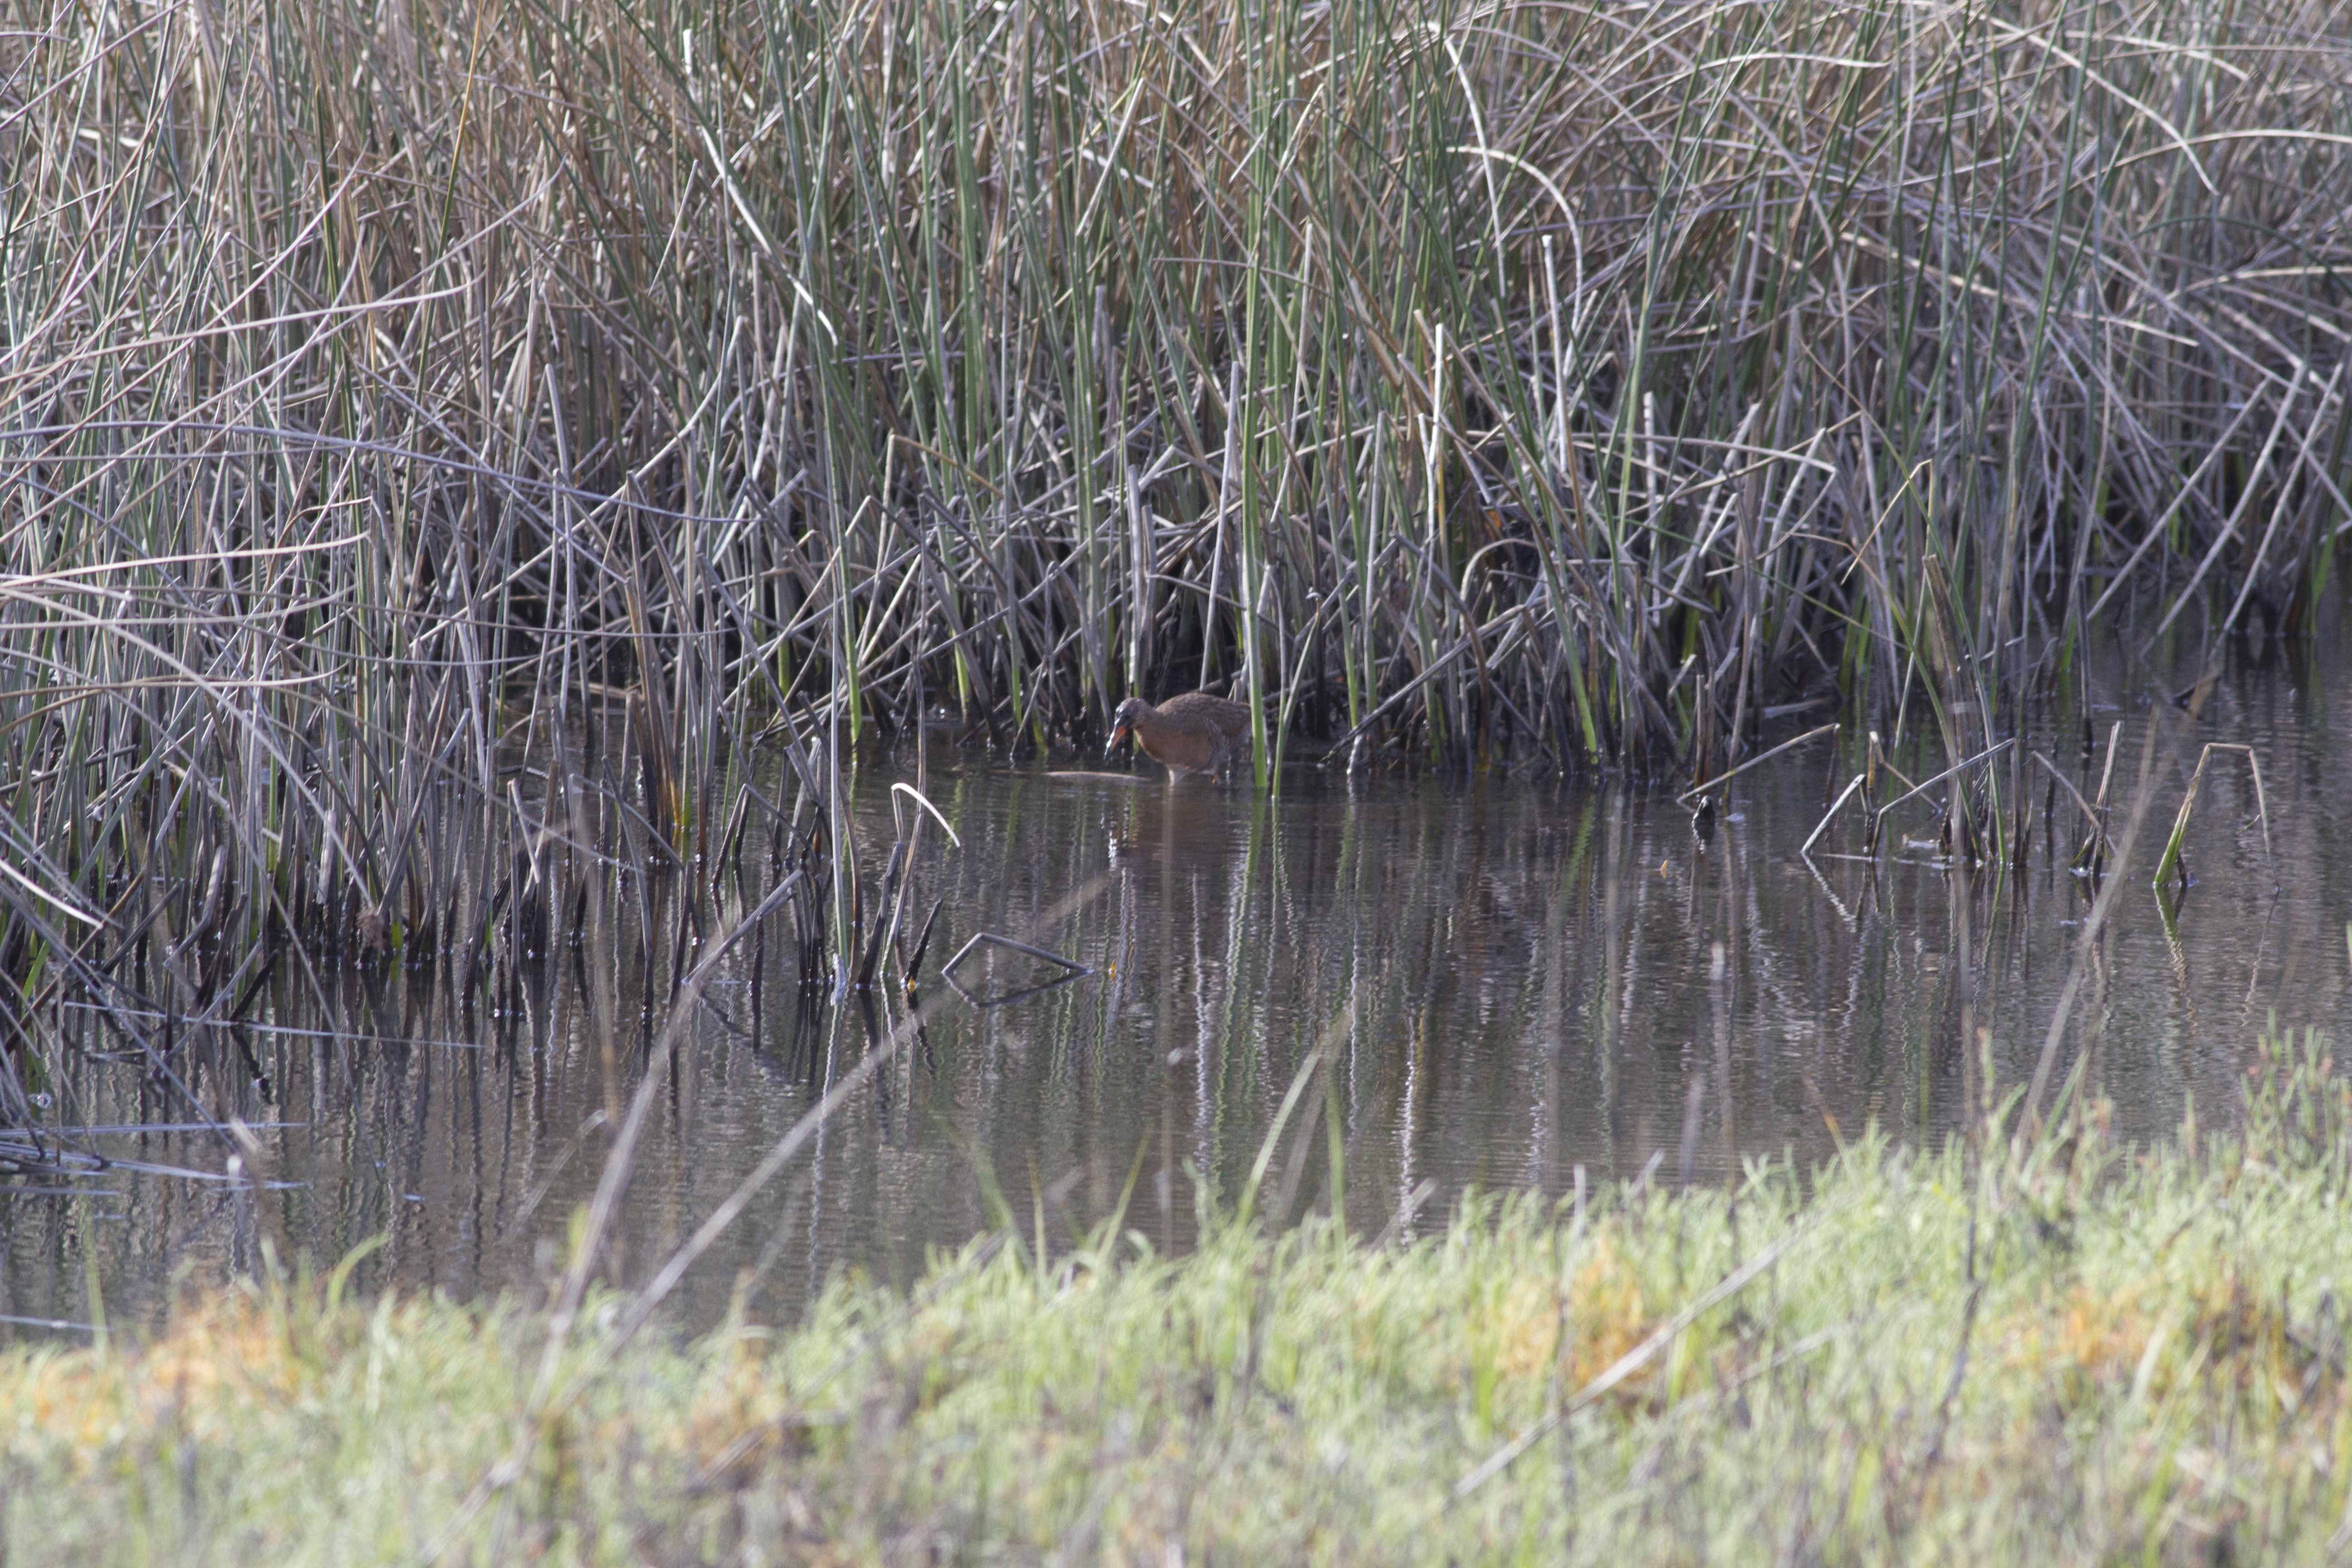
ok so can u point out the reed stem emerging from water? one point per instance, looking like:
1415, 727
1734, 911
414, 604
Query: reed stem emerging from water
416, 422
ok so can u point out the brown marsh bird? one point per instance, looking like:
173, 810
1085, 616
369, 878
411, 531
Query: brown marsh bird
1194, 733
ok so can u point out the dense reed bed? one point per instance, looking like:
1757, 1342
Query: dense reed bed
433, 440
2030, 1348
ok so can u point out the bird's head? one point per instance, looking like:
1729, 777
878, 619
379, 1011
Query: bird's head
1122, 722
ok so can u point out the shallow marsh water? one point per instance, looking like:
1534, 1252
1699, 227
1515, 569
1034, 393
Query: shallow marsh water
1516, 980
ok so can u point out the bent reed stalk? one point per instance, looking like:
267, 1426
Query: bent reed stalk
2070, 1347
430, 438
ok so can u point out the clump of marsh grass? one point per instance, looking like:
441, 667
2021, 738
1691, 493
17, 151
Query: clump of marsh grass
2011, 1350
435, 441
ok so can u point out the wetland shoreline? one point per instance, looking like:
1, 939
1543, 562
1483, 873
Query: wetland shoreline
471, 483
2031, 1346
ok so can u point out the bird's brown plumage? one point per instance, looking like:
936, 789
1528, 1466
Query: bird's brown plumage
1193, 733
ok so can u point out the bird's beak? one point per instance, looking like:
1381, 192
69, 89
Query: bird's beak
1116, 735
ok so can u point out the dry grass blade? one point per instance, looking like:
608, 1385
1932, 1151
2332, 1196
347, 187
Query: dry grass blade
1641, 1354
1470, 382
1716, 783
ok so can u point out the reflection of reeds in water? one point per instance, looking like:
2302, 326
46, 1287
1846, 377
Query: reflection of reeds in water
422, 470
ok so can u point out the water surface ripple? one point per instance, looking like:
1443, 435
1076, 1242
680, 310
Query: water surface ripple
1514, 980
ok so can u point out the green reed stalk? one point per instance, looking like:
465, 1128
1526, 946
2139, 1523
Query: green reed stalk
1502, 370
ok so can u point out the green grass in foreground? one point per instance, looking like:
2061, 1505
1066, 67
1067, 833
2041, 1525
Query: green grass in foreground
2071, 1351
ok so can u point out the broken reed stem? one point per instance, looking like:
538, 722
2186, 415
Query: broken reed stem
1454, 379
2169, 866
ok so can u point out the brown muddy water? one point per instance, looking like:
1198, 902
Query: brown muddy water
1517, 979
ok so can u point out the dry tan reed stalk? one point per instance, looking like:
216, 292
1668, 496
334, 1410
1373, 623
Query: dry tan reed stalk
393, 404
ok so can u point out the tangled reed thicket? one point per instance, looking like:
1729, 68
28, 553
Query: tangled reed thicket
432, 436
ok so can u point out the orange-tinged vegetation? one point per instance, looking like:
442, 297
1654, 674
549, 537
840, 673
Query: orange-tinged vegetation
2067, 1351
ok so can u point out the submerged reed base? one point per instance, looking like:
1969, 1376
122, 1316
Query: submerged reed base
436, 441
2028, 1348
